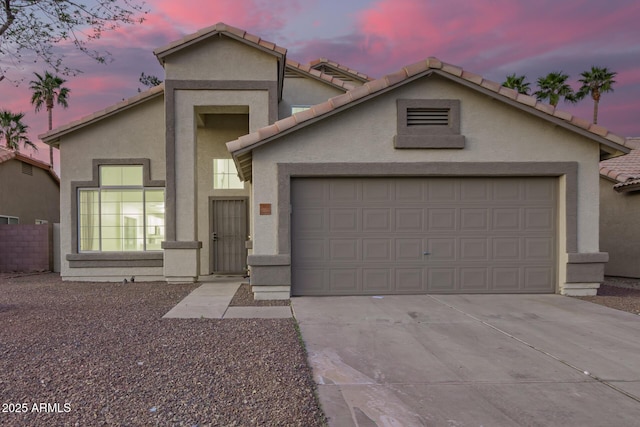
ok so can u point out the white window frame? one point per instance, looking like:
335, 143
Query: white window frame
9, 218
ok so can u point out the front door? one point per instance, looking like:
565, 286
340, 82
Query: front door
228, 236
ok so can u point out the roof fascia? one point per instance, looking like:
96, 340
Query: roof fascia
627, 188
555, 120
50, 139
314, 77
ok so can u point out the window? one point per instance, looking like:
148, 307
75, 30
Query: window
41, 221
225, 175
429, 123
298, 108
4, 219
120, 215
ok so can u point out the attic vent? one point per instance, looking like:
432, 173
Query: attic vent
428, 117
27, 169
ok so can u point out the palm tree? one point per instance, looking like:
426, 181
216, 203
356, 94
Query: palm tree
517, 83
596, 82
554, 86
13, 131
47, 91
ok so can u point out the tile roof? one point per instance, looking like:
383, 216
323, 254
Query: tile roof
319, 75
431, 65
6, 155
218, 28
625, 170
53, 135
322, 62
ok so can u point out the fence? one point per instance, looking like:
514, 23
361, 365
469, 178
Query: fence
26, 248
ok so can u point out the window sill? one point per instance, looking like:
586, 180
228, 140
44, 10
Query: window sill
116, 259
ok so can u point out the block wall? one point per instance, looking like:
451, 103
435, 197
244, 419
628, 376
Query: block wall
26, 248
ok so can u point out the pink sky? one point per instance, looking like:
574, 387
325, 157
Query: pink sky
489, 37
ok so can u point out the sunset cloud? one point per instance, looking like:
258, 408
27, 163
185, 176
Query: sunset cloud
489, 37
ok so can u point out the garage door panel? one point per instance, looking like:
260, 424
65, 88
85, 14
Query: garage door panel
376, 279
473, 220
409, 191
539, 219
341, 250
442, 190
474, 190
344, 280
537, 278
539, 189
310, 250
474, 279
409, 280
312, 220
409, 219
505, 248
376, 250
473, 250
369, 235
377, 219
377, 191
539, 248
505, 219
507, 191
441, 279
441, 219
409, 250
440, 249
347, 190
506, 278
314, 279
341, 220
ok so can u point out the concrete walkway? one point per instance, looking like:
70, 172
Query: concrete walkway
472, 360
211, 301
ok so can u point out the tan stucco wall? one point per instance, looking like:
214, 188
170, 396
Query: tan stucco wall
304, 91
619, 231
494, 132
186, 103
220, 128
134, 133
28, 197
221, 59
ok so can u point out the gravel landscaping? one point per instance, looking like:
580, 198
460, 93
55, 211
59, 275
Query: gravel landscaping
619, 293
96, 354
244, 298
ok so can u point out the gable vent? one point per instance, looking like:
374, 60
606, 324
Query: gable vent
27, 169
427, 117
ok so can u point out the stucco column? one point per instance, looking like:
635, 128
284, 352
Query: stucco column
181, 250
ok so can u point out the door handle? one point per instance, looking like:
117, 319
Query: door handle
427, 253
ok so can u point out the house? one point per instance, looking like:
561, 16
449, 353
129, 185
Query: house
323, 181
29, 190
619, 210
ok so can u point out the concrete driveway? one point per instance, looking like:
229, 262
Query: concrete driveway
472, 360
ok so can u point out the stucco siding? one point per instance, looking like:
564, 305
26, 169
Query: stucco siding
224, 59
494, 132
28, 197
220, 129
619, 230
134, 133
304, 91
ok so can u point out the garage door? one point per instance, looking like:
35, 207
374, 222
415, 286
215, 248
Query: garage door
376, 236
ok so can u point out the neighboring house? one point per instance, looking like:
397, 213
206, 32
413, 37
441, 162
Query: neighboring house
431, 179
620, 210
29, 190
